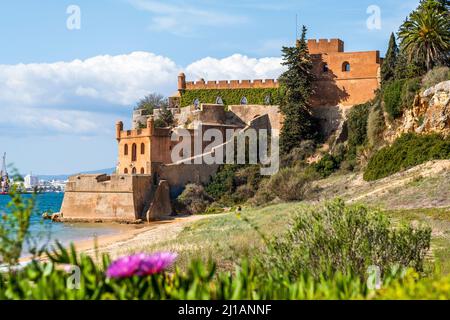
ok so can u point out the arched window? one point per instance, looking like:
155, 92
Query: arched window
142, 148
125, 171
346, 67
142, 171
125, 150
134, 152
197, 103
134, 170
244, 101
219, 100
325, 68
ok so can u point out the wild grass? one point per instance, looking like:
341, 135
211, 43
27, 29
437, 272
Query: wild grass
226, 238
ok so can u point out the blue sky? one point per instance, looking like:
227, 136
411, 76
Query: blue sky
62, 90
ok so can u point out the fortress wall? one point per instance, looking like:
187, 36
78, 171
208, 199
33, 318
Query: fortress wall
212, 113
344, 92
247, 113
325, 46
101, 197
161, 206
179, 175
230, 84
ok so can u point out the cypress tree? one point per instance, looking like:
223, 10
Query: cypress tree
297, 82
390, 62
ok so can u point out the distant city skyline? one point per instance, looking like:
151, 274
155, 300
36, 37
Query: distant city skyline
70, 69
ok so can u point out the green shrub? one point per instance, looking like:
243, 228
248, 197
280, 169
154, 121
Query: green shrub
346, 239
234, 184
414, 288
195, 199
298, 155
392, 97
327, 165
407, 151
222, 182
289, 184
375, 125
409, 91
357, 125
435, 76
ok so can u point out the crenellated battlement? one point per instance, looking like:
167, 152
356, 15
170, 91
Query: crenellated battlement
325, 46
225, 84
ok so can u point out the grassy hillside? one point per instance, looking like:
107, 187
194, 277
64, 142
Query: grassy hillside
226, 237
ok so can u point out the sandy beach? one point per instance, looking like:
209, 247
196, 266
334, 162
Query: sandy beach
130, 238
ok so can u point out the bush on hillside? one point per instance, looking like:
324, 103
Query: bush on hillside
298, 155
357, 126
346, 239
435, 76
410, 89
375, 125
392, 97
234, 184
223, 182
407, 151
289, 184
327, 165
195, 199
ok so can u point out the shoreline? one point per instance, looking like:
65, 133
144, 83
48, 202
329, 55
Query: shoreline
130, 237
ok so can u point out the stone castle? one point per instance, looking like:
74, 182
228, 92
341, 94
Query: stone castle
146, 177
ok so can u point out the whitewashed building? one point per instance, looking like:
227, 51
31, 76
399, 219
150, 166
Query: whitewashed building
31, 181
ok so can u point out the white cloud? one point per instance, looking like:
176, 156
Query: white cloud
114, 79
85, 97
235, 67
182, 19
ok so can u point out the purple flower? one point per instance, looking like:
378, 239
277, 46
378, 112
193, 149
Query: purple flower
141, 265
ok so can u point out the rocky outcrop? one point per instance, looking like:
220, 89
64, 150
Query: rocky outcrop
430, 113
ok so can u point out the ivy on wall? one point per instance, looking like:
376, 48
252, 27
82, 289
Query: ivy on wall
232, 96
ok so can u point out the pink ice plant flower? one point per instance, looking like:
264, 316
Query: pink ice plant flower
141, 265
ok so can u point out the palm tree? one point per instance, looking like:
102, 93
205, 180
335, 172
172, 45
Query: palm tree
425, 35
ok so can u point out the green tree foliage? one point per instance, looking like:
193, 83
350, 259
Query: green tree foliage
409, 91
407, 151
151, 102
166, 118
297, 81
375, 125
234, 184
425, 35
357, 126
390, 61
392, 97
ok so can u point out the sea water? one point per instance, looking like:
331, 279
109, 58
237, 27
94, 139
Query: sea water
45, 232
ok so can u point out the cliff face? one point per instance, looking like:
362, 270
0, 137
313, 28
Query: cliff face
430, 113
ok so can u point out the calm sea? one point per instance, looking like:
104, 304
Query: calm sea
47, 232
